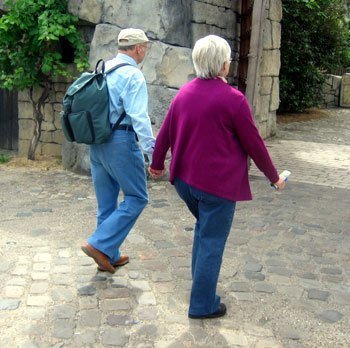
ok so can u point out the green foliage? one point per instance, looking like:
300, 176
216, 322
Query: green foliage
315, 40
4, 158
30, 34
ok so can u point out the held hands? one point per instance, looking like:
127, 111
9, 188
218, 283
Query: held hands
156, 174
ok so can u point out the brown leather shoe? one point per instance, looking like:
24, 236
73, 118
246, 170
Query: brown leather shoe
100, 258
123, 260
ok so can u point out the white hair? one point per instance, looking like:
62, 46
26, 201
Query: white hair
209, 54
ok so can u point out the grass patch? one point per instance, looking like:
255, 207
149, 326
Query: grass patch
4, 158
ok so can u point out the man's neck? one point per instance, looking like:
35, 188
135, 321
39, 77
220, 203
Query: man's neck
131, 54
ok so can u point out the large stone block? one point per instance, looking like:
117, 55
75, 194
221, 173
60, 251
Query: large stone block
23, 95
60, 87
57, 122
160, 98
153, 61
345, 91
221, 3
48, 112
176, 18
104, 43
336, 82
25, 129
265, 107
167, 20
23, 146
48, 126
58, 137
176, 67
262, 127
25, 110
329, 99
266, 85
58, 96
271, 63
37, 93
51, 149
271, 125
166, 65
75, 157
88, 10
144, 15
46, 137
200, 30
275, 13
276, 35
57, 107
267, 36
327, 87
275, 95
208, 14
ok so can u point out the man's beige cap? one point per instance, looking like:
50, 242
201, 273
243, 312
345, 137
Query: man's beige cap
131, 36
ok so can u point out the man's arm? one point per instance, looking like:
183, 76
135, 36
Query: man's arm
136, 106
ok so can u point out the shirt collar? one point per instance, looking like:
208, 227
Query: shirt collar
125, 58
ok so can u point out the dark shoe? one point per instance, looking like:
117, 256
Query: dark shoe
100, 258
123, 260
219, 313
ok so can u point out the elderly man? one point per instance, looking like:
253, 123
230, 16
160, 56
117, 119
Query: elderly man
119, 163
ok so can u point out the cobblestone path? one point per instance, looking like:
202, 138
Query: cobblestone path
285, 276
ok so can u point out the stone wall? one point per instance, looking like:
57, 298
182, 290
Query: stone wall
336, 91
268, 98
331, 91
344, 99
51, 139
174, 27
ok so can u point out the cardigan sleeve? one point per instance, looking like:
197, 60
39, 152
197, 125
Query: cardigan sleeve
252, 142
162, 144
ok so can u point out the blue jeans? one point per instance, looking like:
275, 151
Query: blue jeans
214, 217
117, 165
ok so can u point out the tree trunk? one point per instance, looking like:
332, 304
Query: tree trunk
38, 118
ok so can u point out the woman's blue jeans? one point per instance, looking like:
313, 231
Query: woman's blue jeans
117, 165
214, 217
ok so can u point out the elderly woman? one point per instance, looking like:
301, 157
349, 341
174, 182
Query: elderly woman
210, 131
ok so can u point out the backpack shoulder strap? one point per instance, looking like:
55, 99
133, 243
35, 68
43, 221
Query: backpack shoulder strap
103, 71
116, 67
122, 116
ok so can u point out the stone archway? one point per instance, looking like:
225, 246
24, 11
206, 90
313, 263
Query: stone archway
251, 48
260, 60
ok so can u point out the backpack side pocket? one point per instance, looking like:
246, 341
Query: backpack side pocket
82, 127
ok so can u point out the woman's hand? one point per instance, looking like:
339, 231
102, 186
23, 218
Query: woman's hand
280, 184
156, 174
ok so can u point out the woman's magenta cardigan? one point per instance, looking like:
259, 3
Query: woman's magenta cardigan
210, 131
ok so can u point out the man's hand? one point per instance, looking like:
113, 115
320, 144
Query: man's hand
156, 174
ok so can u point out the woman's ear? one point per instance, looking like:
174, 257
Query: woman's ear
225, 69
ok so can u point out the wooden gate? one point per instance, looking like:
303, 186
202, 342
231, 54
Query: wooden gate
246, 29
8, 120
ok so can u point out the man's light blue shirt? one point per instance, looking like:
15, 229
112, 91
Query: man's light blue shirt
128, 92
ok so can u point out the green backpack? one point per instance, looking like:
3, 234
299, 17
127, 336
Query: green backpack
85, 115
